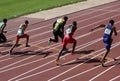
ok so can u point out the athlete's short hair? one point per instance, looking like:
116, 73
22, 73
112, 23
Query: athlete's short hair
26, 22
74, 23
5, 20
65, 18
112, 22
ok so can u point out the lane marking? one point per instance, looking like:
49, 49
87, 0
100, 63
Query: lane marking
116, 44
115, 78
113, 46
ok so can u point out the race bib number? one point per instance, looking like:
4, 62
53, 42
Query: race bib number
107, 31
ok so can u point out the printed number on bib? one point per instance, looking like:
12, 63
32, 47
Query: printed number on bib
107, 31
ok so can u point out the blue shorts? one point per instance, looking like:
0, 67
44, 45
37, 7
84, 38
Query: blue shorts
108, 42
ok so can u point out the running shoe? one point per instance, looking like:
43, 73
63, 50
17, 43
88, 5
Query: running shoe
27, 46
57, 62
65, 49
102, 63
10, 52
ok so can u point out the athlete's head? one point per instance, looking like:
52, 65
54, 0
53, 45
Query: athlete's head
74, 23
112, 22
5, 20
65, 18
26, 22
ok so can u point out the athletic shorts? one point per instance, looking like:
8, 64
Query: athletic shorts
108, 43
22, 36
67, 39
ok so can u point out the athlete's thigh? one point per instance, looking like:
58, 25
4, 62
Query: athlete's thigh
71, 40
55, 35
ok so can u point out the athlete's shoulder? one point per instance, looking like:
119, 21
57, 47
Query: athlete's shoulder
60, 20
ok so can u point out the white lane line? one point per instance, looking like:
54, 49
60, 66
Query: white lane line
74, 67
94, 42
116, 44
5, 59
113, 79
78, 28
20, 61
17, 62
70, 18
113, 46
87, 44
103, 72
105, 10
45, 50
82, 46
3, 56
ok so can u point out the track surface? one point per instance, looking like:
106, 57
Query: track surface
36, 63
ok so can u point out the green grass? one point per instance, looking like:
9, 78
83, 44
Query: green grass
14, 8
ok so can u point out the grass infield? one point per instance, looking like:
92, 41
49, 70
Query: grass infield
15, 8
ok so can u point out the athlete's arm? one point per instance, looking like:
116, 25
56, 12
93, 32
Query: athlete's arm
114, 30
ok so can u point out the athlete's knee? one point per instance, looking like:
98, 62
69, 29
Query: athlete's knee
75, 42
27, 36
108, 46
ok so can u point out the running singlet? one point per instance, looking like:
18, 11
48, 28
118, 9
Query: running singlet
59, 21
69, 30
108, 31
20, 31
1, 26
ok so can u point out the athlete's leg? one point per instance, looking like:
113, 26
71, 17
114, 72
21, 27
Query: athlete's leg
55, 37
74, 45
61, 35
27, 39
2, 38
16, 43
60, 53
108, 46
64, 44
107, 52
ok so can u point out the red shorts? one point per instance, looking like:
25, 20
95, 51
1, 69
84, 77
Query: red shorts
67, 39
23, 36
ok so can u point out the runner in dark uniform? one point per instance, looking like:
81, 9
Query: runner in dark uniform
58, 29
2, 27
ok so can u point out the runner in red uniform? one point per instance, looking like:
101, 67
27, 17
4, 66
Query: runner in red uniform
68, 39
21, 34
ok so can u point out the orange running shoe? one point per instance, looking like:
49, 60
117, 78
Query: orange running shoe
57, 62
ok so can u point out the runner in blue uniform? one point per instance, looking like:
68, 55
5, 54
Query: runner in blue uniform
107, 38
